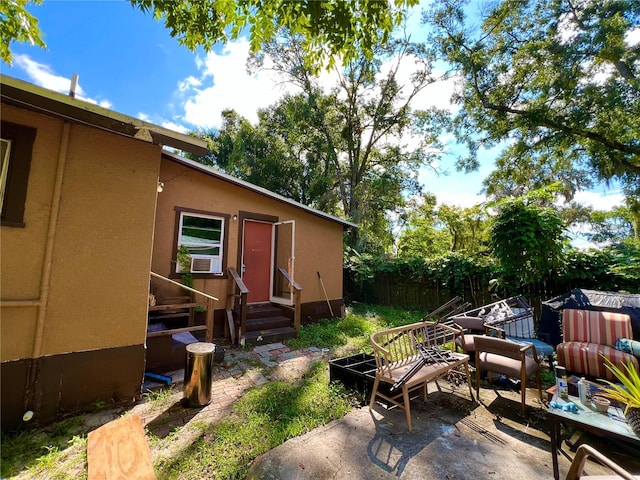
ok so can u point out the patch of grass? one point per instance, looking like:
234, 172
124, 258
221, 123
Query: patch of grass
352, 333
57, 452
264, 418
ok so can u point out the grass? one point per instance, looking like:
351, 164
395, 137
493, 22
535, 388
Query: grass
262, 419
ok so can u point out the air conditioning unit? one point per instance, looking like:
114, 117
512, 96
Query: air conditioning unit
202, 264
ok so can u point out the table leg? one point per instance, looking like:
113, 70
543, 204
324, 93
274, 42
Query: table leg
555, 442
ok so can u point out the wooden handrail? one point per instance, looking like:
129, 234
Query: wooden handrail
236, 284
236, 278
153, 274
286, 275
296, 298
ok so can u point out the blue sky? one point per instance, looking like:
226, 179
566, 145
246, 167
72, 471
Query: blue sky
126, 61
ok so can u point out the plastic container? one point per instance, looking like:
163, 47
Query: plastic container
583, 391
198, 371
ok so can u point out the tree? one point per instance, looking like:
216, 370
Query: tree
328, 28
17, 24
273, 154
420, 236
527, 239
359, 130
558, 81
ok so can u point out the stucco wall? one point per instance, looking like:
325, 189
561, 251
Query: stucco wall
102, 243
318, 243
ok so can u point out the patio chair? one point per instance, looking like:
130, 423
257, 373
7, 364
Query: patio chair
470, 328
497, 355
583, 453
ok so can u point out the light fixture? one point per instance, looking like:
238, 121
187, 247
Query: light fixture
235, 217
160, 186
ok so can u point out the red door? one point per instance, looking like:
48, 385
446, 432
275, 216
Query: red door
256, 260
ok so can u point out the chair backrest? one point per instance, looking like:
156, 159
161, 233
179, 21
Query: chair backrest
603, 328
396, 345
498, 346
475, 324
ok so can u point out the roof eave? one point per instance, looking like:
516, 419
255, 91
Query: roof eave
26, 95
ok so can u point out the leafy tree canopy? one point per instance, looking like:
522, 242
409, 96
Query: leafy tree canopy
558, 81
17, 24
328, 28
527, 238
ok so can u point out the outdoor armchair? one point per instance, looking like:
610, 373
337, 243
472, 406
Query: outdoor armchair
496, 355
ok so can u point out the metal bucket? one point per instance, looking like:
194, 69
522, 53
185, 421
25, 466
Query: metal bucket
198, 371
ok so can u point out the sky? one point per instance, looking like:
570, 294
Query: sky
128, 62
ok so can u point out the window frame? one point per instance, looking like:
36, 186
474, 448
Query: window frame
22, 139
180, 213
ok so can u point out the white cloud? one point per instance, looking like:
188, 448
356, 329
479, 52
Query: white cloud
176, 127
43, 76
600, 201
224, 83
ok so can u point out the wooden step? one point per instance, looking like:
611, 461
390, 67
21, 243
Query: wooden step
262, 310
264, 337
267, 323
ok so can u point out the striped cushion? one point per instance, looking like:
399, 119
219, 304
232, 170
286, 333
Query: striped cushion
586, 358
603, 328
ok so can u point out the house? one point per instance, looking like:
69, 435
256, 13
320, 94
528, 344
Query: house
83, 228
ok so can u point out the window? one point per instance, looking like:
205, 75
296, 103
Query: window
17, 145
203, 236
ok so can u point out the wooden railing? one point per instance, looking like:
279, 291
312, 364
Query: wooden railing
237, 290
191, 328
296, 297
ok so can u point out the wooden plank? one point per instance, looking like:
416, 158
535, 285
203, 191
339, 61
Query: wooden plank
171, 331
177, 306
119, 450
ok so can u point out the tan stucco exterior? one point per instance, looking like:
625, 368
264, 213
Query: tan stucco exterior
318, 240
101, 242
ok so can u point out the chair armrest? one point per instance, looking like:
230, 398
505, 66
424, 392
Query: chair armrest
531, 346
585, 451
499, 331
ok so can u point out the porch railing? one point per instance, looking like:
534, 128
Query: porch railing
297, 289
210, 304
237, 290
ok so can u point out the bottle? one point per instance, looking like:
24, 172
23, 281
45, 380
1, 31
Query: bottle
561, 382
583, 391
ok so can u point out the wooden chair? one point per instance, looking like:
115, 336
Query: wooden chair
400, 363
496, 355
470, 327
583, 453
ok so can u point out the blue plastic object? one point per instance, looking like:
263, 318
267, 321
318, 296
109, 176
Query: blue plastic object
567, 407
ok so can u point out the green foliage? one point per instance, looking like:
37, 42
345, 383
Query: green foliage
184, 261
17, 24
328, 29
555, 81
57, 452
527, 240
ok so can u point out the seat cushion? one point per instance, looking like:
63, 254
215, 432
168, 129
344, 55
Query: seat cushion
602, 328
466, 343
586, 358
505, 365
542, 349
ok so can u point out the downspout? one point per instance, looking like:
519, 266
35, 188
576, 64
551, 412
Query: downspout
47, 266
